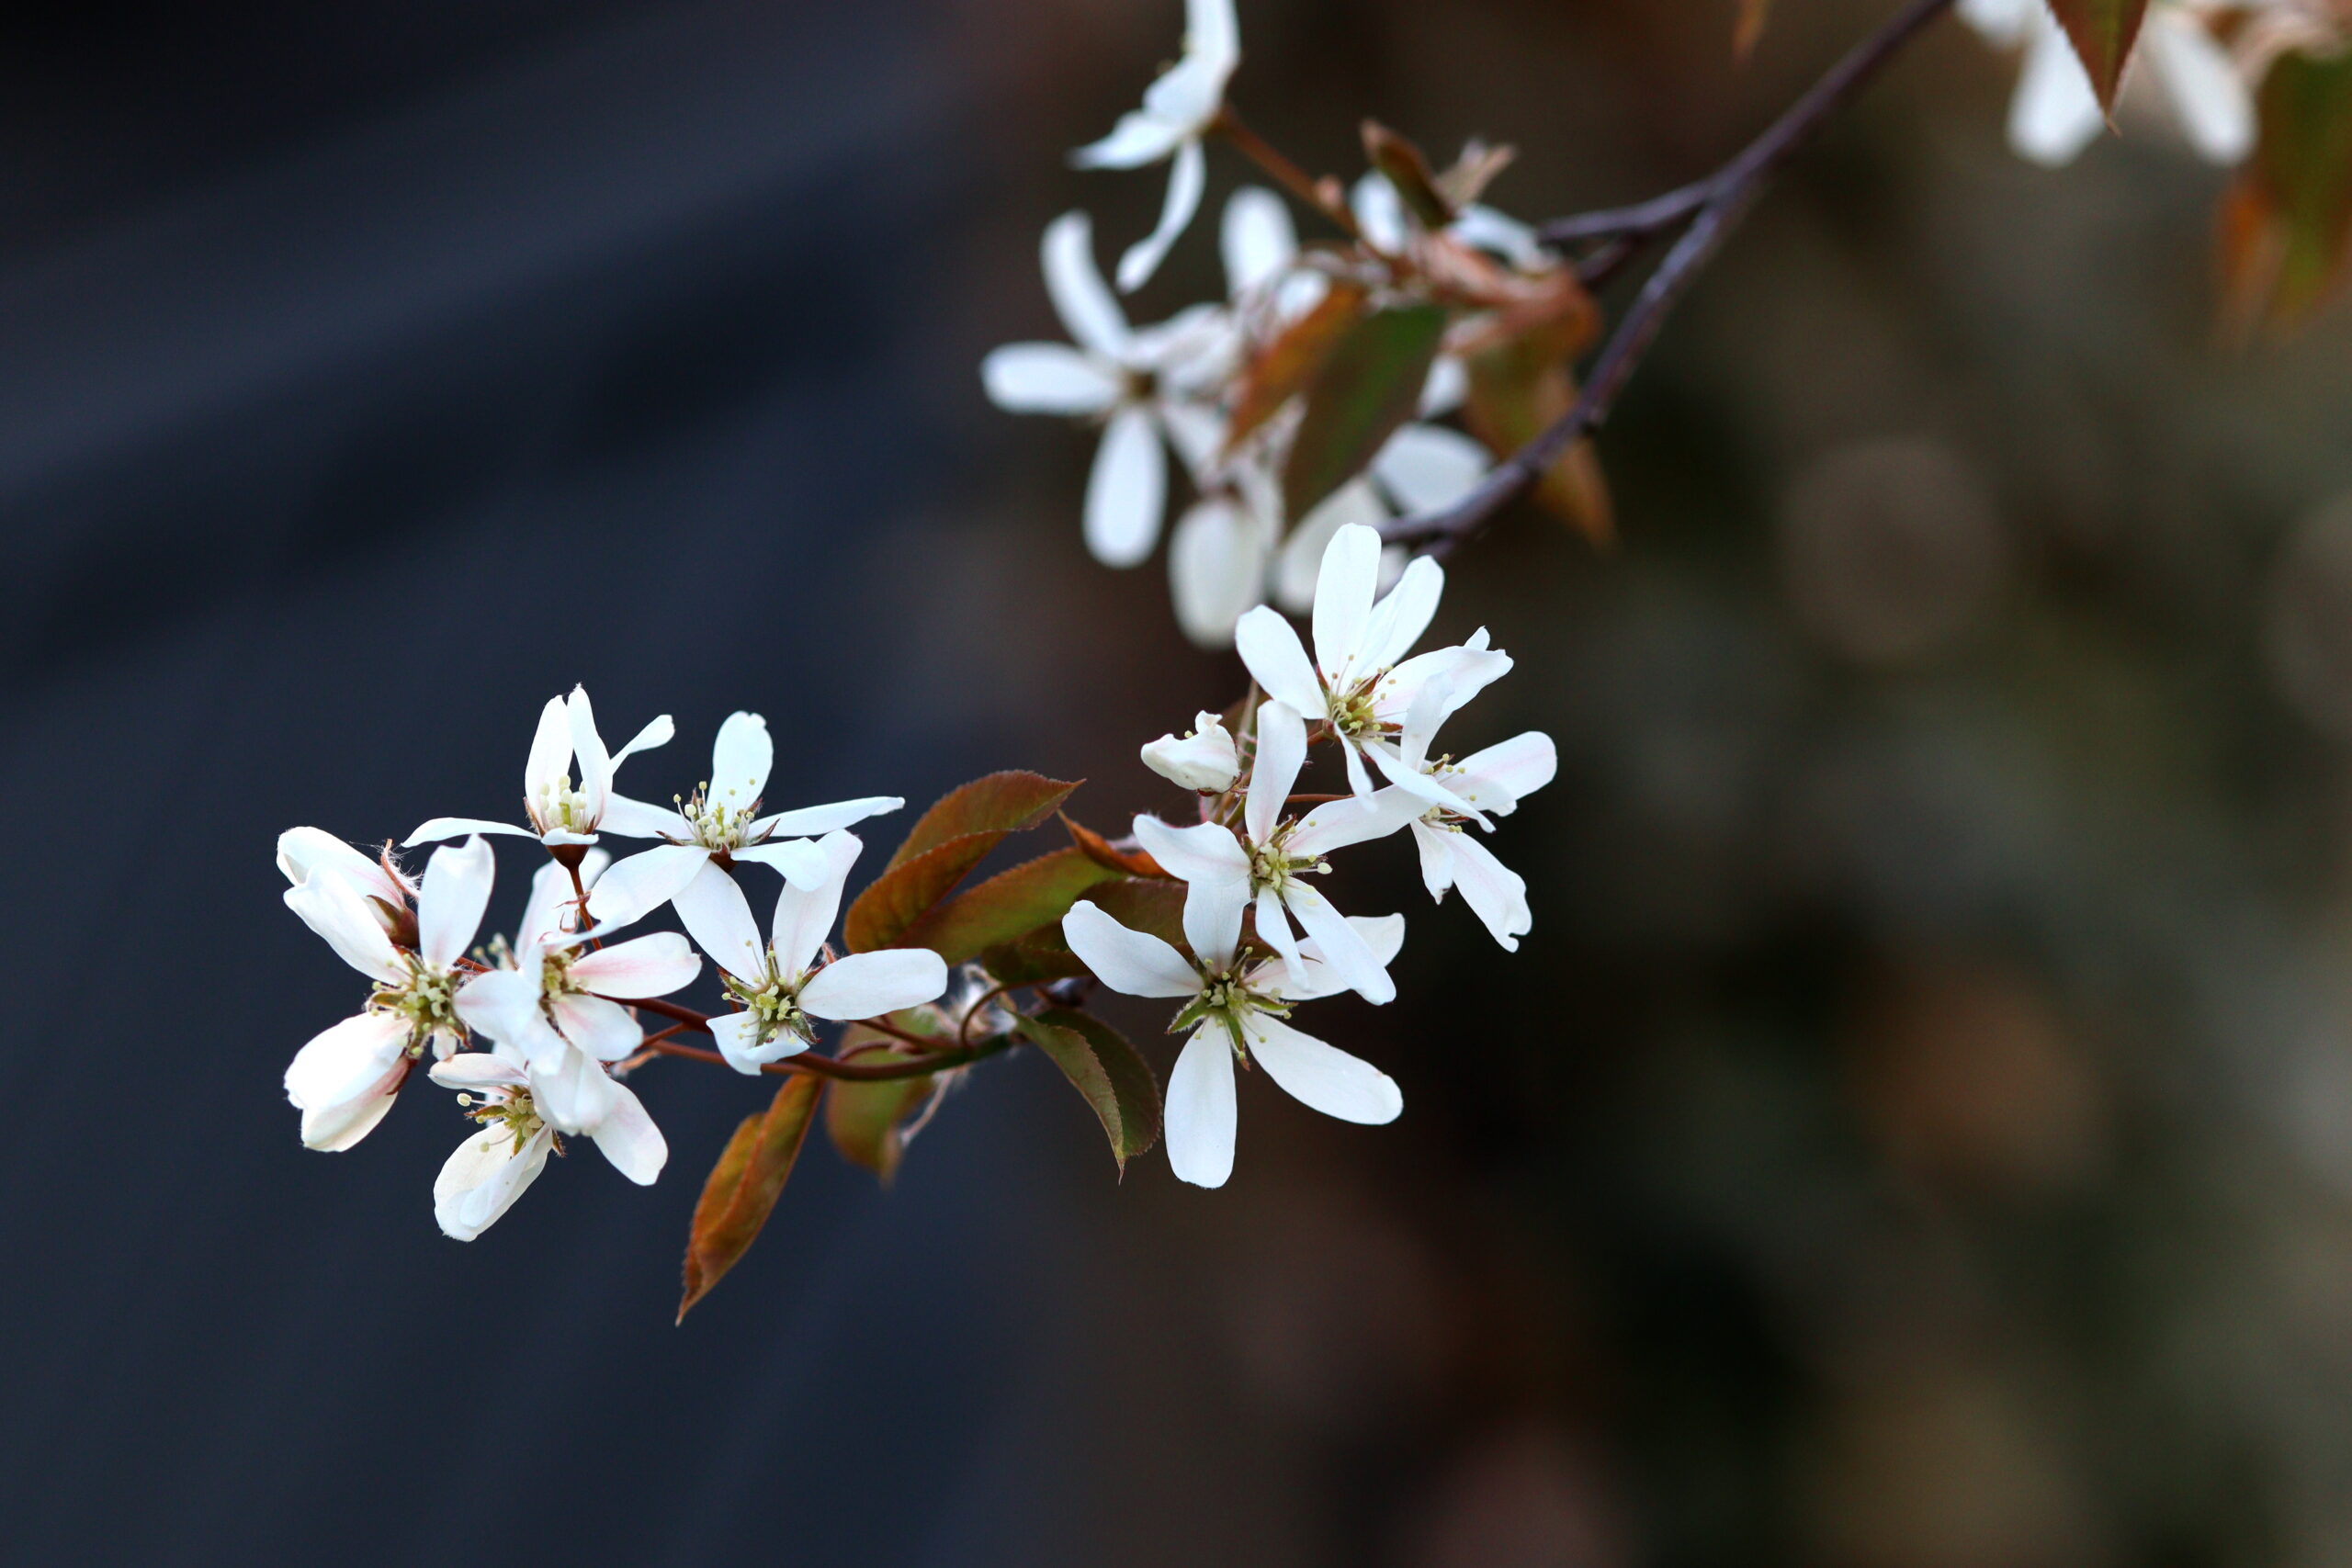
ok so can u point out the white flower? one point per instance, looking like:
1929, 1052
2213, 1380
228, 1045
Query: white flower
778, 984
1235, 1011
720, 821
1355, 684
558, 1009
2056, 113
559, 813
1143, 385
1419, 468
1265, 865
343, 1080
1223, 547
1382, 215
1178, 110
1205, 760
1493, 782
304, 853
486, 1173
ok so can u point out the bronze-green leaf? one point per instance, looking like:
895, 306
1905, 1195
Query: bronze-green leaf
1370, 383
1001, 803
2103, 32
1008, 905
743, 1185
1277, 372
1407, 167
1146, 903
2287, 226
1107, 1069
863, 1118
942, 849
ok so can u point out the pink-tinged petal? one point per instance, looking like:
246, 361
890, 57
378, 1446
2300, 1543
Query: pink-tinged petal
478, 1070
441, 827
1133, 961
575, 1093
483, 1178
642, 883
641, 820
868, 985
716, 914
1200, 1116
1277, 660
1206, 853
550, 760
1212, 918
628, 1138
1503, 776
821, 819
331, 1129
602, 1028
1436, 845
1126, 493
347, 921
1282, 752
1342, 946
1257, 240
303, 851
504, 1003
596, 762
740, 760
1274, 930
1344, 586
1088, 309
804, 916
1358, 819
1495, 893
1358, 781
799, 862
643, 966
1323, 1077
345, 1061
457, 890
737, 1035
1423, 786
1188, 175
1049, 377
1401, 618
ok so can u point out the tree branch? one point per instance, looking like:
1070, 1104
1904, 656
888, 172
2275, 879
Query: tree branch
1713, 208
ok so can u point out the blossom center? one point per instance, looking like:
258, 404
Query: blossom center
558, 808
775, 1007
1352, 712
1272, 866
512, 1109
427, 998
718, 826
1226, 999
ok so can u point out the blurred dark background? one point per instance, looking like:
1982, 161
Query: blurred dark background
1918, 1132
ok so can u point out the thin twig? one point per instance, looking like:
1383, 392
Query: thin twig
823, 1066
1284, 173
1714, 207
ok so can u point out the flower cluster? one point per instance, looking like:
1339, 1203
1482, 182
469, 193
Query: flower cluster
553, 1014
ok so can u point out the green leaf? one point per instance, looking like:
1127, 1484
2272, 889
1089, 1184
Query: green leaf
743, 1185
2103, 32
1107, 1069
1278, 371
2288, 225
950, 840
1370, 383
1146, 903
863, 1118
1008, 905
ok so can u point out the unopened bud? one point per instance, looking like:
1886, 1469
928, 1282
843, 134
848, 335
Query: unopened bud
1204, 760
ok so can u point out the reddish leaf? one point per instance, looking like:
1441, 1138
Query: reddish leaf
2103, 32
1099, 850
862, 1118
1112, 1075
2288, 225
1404, 166
1008, 905
951, 839
743, 1185
1370, 383
1279, 371
1516, 389
1148, 904
1749, 26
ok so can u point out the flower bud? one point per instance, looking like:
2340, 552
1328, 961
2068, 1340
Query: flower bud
1204, 760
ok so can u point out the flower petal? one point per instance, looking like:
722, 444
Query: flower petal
636, 886
441, 827
1134, 963
1401, 618
601, 1028
1127, 492
1049, 377
804, 916
596, 762
343, 919
1344, 586
1257, 239
1503, 776
628, 1138
737, 1035
1424, 467
1212, 918
456, 891
1188, 175
868, 985
2207, 90
1274, 930
1322, 1077
1343, 947
504, 1003
1282, 752
658, 733
303, 851
642, 820
550, 760
1358, 819
1436, 845
345, 1060
478, 1070
482, 1180
575, 1093
1200, 1116
741, 760
1087, 308
1204, 852
1206, 760
1497, 894
2056, 113
1217, 570
799, 861
716, 914
1140, 138
815, 819
1269, 646
1301, 562
331, 1129
1313, 978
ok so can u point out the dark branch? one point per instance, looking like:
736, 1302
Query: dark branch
1712, 207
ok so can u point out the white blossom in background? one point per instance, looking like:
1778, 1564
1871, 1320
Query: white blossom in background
778, 984
1359, 683
1224, 547
2055, 112
560, 812
1422, 467
1178, 110
1494, 781
719, 819
505, 1155
558, 1009
1235, 1011
344, 1080
1390, 226
1144, 385
1205, 760
1266, 865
